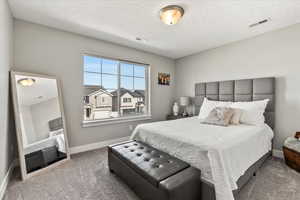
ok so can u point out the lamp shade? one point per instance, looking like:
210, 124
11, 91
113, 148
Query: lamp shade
184, 101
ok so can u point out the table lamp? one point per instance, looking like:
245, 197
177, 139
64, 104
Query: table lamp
184, 101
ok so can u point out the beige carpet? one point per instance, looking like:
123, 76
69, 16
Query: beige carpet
87, 177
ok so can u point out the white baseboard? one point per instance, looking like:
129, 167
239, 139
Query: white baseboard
97, 145
7, 177
277, 153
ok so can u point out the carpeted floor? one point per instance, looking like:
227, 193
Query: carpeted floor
87, 177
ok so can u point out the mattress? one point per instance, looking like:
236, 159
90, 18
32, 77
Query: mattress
223, 154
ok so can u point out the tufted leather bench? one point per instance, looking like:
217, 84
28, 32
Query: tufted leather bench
153, 174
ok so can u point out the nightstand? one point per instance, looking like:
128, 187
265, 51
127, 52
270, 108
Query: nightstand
291, 150
172, 117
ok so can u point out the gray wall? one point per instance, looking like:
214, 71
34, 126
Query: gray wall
41, 114
28, 133
7, 134
49, 51
272, 54
34, 120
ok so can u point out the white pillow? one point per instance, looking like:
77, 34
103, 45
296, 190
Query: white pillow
209, 105
252, 111
57, 132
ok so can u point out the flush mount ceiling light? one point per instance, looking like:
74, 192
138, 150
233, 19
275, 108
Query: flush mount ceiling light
170, 15
26, 81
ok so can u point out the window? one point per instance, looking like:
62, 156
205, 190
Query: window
114, 89
126, 100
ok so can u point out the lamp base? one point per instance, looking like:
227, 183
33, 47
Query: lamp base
184, 114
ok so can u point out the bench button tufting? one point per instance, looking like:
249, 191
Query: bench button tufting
158, 166
153, 167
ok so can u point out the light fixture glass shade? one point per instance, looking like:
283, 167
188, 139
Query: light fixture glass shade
26, 81
184, 101
170, 15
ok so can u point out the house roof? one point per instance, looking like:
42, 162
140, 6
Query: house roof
135, 93
100, 91
140, 92
89, 89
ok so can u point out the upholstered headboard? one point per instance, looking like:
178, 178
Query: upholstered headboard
55, 124
239, 90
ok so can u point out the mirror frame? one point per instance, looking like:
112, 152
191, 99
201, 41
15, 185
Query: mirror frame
24, 173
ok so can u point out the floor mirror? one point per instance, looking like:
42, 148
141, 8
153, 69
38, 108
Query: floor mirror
40, 122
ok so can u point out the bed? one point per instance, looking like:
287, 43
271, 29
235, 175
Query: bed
219, 152
48, 150
56, 138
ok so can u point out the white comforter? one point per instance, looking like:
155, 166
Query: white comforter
223, 154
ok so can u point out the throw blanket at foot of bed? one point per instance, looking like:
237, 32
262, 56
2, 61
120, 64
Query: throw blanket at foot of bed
153, 174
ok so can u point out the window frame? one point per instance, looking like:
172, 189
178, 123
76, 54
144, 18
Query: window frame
128, 100
121, 119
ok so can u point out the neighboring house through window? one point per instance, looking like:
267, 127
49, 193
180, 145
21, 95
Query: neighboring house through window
114, 89
126, 100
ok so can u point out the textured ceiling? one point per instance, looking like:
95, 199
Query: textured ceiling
205, 25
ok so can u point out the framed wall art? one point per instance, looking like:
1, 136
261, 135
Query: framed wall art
164, 78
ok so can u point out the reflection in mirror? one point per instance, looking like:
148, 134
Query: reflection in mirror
41, 125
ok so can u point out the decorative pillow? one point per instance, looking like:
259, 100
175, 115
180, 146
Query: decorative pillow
209, 105
235, 119
220, 116
252, 111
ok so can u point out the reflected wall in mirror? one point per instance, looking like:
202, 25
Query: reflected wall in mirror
40, 122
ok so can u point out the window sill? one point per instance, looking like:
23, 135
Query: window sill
115, 121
